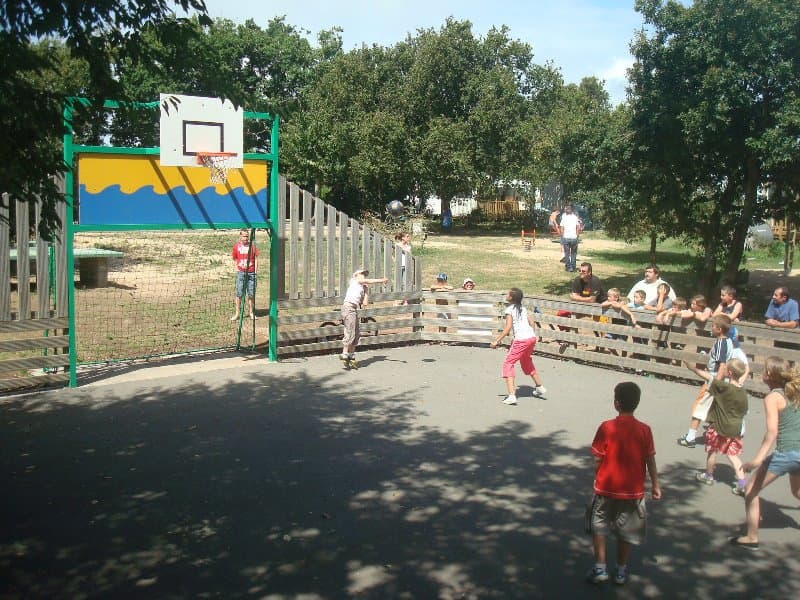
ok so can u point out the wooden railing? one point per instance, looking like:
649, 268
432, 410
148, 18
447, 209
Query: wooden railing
779, 229
34, 341
499, 209
322, 246
476, 317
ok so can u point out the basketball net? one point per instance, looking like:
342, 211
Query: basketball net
217, 163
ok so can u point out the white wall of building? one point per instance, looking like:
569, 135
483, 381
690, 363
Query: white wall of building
458, 206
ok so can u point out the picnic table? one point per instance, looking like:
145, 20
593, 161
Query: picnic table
92, 263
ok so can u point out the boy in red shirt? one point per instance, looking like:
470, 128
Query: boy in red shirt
623, 449
245, 260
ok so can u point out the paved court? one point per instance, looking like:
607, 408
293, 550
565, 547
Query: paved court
237, 478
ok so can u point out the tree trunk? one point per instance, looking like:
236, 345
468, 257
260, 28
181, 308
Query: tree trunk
736, 248
653, 242
788, 247
445, 203
708, 274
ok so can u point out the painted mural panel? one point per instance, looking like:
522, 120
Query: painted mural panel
121, 189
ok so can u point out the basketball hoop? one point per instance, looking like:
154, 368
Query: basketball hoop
217, 163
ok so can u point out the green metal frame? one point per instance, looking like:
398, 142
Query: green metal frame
71, 149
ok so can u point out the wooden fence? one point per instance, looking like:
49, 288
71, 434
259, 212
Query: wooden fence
785, 232
500, 209
476, 317
322, 246
34, 335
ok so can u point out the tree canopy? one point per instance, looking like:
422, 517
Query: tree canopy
96, 34
715, 95
712, 116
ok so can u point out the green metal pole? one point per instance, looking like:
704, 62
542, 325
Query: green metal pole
274, 246
69, 185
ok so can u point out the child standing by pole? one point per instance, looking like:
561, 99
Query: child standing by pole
354, 298
518, 320
245, 261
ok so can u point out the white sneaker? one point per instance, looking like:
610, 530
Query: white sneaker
235, 318
510, 399
539, 391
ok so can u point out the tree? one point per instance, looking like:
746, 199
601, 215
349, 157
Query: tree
95, 32
441, 112
446, 159
568, 141
714, 97
350, 130
263, 70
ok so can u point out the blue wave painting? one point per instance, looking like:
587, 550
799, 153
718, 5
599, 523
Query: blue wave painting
112, 206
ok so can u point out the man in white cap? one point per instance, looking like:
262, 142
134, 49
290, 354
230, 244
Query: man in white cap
354, 298
468, 284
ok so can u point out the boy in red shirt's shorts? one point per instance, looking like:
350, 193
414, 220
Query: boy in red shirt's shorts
624, 451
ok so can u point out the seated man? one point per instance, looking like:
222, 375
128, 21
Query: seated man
586, 287
782, 311
652, 279
468, 284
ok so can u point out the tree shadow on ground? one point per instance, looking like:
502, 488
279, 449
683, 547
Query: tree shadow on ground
290, 485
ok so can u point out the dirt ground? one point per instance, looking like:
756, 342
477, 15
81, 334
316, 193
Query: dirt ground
238, 478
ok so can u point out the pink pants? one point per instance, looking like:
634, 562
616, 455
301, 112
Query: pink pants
520, 351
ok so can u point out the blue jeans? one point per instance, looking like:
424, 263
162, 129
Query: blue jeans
570, 252
249, 279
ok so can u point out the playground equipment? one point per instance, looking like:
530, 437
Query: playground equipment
163, 189
528, 239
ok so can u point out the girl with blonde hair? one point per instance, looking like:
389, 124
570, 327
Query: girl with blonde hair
782, 411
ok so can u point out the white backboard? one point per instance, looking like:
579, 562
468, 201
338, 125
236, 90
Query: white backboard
192, 124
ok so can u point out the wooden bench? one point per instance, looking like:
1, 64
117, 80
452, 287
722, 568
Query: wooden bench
91, 262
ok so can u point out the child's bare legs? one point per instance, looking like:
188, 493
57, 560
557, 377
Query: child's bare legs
711, 462
599, 547
623, 553
512, 388
526, 362
736, 463
700, 405
752, 506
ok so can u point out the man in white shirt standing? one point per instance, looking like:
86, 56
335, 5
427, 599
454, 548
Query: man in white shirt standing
649, 285
569, 228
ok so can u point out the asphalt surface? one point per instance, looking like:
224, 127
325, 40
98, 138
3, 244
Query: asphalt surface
234, 477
